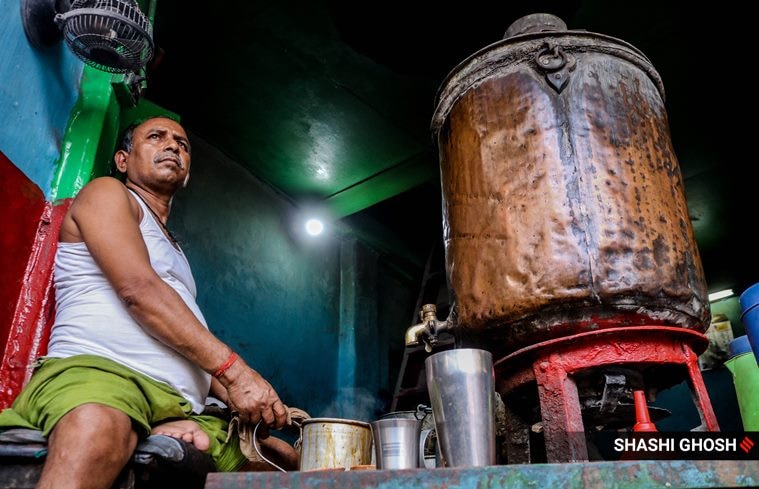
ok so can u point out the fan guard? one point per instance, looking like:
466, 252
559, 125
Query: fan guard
110, 35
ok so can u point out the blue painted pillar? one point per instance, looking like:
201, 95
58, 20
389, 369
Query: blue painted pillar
360, 349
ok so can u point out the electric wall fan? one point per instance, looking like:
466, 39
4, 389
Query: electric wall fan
110, 35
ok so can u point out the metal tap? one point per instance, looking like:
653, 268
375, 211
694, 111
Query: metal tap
428, 330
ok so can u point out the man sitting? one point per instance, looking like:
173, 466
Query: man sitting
130, 353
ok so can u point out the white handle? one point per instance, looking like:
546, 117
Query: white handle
258, 450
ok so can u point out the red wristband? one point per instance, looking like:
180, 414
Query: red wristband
228, 363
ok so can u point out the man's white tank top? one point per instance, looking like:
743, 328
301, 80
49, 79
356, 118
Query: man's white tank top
90, 318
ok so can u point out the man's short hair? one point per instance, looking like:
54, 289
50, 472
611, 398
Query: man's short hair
127, 141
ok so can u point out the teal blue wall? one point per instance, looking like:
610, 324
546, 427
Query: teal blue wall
268, 297
37, 91
678, 400
304, 313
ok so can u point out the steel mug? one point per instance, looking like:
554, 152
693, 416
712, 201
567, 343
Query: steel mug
397, 443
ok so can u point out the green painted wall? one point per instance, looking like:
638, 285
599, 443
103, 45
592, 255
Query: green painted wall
730, 307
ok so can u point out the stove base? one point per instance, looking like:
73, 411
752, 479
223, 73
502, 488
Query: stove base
554, 366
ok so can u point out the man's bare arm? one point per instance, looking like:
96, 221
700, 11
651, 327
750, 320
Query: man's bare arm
105, 218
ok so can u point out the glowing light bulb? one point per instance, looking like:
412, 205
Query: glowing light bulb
314, 227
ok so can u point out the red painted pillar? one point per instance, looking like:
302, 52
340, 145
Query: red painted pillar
29, 240
23, 203
561, 412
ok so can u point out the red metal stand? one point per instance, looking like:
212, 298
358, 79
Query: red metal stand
553, 364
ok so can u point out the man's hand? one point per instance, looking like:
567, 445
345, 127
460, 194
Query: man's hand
252, 397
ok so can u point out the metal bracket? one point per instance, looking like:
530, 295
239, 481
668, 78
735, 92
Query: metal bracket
614, 389
556, 64
129, 87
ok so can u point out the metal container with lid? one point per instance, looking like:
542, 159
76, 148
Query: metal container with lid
333, 443
564, 209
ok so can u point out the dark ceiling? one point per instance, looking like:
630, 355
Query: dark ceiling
331, 102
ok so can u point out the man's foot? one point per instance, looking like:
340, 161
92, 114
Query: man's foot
278, 451
184, 429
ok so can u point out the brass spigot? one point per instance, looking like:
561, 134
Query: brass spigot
428, 330
413, 334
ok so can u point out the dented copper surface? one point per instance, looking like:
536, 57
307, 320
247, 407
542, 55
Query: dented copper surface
563, 200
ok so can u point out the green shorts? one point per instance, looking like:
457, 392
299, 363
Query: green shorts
59, 385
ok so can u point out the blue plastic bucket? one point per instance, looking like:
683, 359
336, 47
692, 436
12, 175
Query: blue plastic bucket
750, 317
